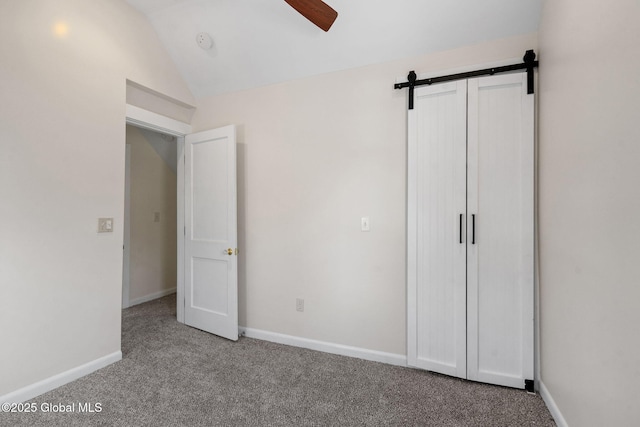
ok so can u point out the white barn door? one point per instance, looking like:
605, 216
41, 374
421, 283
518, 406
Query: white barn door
470, 230
436, 237
500, 256
211, 262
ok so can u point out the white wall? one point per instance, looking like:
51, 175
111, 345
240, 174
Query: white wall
589, 204
315, 156
62, 130
153, 244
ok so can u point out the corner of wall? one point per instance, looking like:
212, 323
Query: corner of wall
551, 405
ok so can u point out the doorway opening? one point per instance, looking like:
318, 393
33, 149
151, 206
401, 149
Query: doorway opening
211, 210
150, 217
144, 119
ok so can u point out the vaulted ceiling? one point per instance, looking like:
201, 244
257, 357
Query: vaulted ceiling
260, 42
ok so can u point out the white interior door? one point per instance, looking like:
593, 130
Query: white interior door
211, 263
500, 230
436, 238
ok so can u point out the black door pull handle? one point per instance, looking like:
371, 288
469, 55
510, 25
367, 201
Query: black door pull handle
473, 229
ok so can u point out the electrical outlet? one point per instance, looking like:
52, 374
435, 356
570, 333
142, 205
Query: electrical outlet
299, 304
105, 225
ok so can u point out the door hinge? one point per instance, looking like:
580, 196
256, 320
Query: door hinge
529, 386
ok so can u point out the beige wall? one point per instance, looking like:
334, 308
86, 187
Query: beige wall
62, 130
589, 205
153, 244
315, 156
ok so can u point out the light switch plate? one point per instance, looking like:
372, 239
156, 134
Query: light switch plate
156, 217
365, 225
105, 225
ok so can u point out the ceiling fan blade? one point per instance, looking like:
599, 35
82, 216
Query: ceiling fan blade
315, 11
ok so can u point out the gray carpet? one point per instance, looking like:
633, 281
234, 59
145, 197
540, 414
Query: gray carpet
173, 375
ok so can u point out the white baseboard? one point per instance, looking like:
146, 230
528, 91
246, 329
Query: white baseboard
551, 405
151, 297
36, 389
327, 347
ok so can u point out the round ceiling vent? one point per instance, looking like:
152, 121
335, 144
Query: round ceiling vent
204, 40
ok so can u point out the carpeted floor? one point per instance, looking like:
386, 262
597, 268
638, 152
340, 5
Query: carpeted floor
174, 375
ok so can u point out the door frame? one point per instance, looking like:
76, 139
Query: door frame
145, 119
126, 246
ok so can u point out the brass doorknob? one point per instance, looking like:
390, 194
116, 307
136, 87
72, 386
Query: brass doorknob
229, 251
